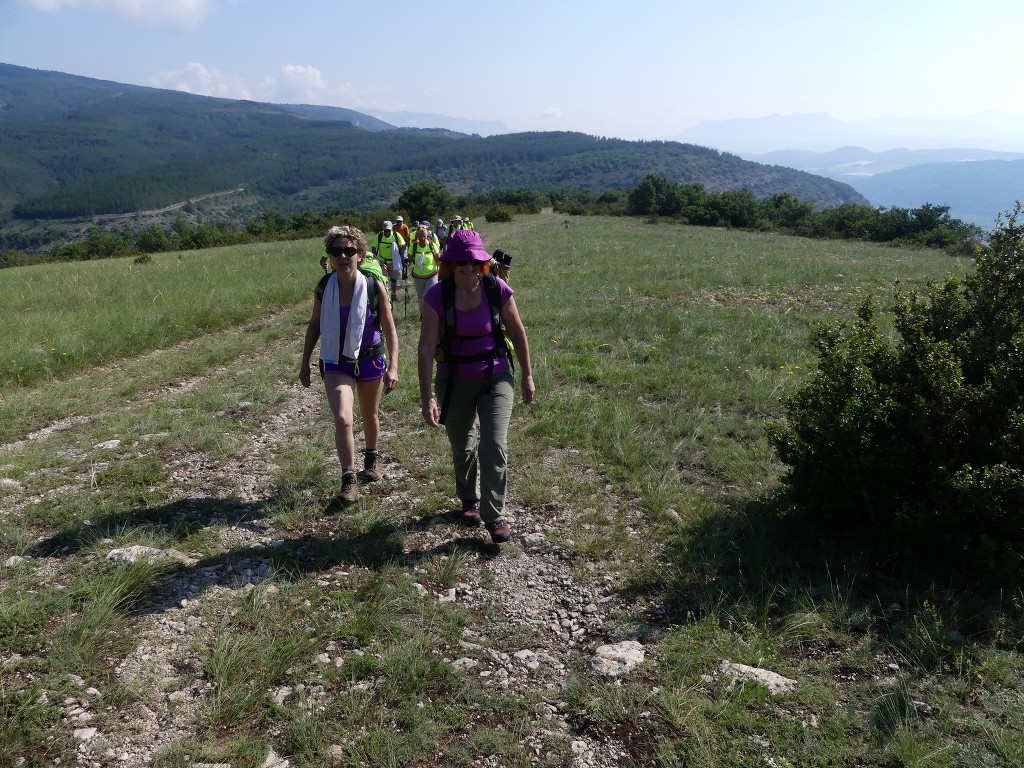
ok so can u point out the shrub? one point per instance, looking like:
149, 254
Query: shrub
498, 213
920, 437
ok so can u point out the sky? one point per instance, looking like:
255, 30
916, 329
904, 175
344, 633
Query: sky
646, 69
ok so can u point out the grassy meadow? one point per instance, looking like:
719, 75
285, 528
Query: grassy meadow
157, 404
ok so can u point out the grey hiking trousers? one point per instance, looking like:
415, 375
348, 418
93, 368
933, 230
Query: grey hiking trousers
477, 427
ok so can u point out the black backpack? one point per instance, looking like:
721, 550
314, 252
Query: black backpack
502, 347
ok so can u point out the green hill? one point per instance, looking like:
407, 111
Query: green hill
77, 147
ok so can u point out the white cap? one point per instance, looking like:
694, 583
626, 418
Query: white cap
399, 218
387, 225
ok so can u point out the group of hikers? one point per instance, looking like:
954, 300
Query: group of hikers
399, 252
469, 326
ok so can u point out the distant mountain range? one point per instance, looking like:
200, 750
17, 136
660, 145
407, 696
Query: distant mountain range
976, 184
74, 147
972, 164
383, 121
822, 133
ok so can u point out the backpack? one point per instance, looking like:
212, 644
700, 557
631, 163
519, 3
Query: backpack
393, 244
372, 301
444, 354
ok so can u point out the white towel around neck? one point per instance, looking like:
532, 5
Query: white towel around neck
332, 349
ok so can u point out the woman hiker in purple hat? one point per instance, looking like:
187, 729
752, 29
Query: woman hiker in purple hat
464, 321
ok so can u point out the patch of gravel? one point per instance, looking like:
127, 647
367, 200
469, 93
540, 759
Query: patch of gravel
534, 584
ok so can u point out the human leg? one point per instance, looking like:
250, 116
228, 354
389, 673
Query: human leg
340, 397
370, 393
463, 435
494, 409
422, 283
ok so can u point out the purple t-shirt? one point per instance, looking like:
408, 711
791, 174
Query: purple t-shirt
473, 331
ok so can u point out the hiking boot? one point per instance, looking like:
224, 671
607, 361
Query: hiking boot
470, 512
500, 531
349, 487
370, 473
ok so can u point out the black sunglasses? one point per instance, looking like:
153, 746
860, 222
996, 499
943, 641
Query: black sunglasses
349, 252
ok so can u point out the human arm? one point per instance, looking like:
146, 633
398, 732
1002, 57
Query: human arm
387, 327
309, 342
517, 335
430, 336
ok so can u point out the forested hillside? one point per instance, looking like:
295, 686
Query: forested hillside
77, 147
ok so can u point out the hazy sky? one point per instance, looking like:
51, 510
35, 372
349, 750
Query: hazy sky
640, 69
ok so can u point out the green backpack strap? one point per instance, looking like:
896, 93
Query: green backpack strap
373, 296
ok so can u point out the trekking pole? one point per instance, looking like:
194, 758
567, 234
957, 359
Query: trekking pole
406, 301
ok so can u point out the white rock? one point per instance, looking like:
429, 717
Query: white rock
84, 734
7, 482
134, 553
281, 694
773, 681
274, 760
14, 560
109, 445
617, 659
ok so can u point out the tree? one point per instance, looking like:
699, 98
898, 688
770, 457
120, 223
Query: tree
426, 200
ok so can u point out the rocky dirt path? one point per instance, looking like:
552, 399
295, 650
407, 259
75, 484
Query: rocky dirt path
537, 584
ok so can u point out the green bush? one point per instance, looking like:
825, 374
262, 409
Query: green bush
920, 437
498, 213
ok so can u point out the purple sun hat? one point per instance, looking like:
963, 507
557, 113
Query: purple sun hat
465, 245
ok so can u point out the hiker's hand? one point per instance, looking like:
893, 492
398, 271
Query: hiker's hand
431, 414
529, 389
390, 380
304, 375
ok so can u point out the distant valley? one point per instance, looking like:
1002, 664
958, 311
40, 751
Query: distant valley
976, 184
969, 163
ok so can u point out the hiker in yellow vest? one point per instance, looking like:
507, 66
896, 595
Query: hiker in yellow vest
430, 232
454, 226
423, 256
401, 228
389, 249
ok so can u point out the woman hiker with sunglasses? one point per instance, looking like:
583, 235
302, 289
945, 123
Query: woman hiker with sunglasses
461, 320
353, 321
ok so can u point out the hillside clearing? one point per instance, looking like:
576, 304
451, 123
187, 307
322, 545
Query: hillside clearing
178, 588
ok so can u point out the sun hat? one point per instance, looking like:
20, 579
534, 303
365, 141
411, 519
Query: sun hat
456, 218
424, 223
465, 245
387, 225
